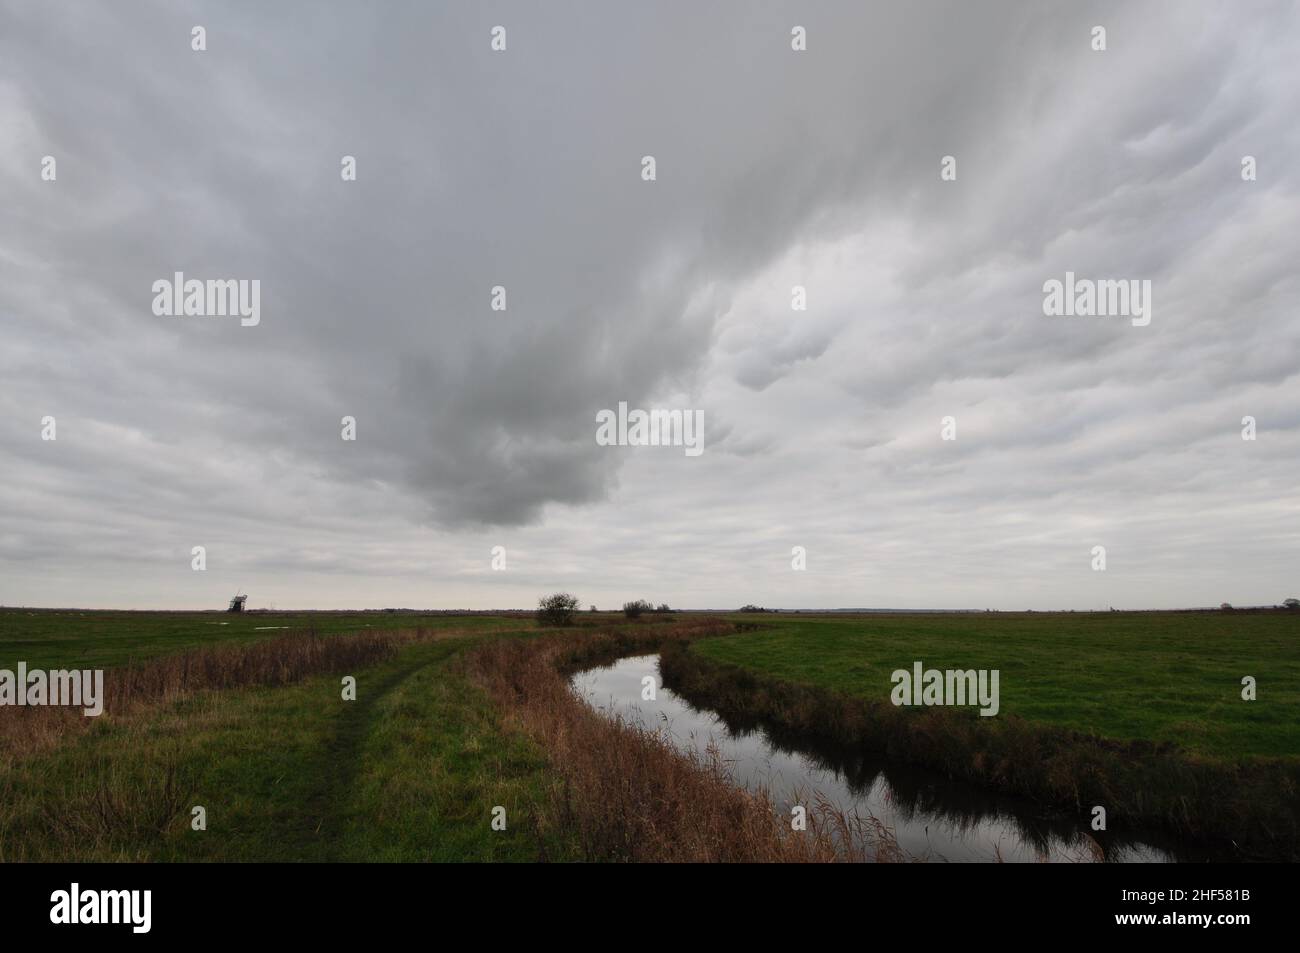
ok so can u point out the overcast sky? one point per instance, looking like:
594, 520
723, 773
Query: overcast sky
774, 168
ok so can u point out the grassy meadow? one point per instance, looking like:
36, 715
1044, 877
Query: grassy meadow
456, 715
1154, 676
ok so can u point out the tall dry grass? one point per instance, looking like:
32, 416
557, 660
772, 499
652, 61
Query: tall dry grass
624, 792
110, 803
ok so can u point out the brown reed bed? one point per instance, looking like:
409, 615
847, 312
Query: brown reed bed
624, 792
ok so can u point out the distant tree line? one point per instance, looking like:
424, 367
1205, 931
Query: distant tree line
559, 607
634, 609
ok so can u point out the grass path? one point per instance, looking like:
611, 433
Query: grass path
409, 771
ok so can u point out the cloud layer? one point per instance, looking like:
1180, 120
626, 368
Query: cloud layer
775, 168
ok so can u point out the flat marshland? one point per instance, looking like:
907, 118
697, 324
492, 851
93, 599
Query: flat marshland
456, 716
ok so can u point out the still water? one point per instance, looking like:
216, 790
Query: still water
932, 817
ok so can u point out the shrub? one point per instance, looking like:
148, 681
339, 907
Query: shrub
556, 609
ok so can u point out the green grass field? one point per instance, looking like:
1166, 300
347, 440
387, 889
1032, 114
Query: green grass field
91, 639
1153, 676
